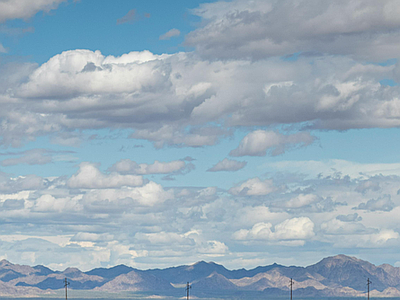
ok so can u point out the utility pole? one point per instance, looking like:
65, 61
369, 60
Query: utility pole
368, 284
291, 288
66, 284
188, 287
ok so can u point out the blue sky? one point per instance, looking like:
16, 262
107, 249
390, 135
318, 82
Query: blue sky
141, 132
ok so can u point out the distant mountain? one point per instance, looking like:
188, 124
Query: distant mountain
136, 282
111, 272
337, 276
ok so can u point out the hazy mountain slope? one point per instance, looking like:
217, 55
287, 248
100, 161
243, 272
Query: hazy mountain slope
214, 282
136, 282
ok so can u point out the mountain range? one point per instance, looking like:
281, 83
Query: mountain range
336, 276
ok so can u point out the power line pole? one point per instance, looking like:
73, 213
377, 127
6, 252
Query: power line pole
66, 284
368, 284
188, 287
291, 288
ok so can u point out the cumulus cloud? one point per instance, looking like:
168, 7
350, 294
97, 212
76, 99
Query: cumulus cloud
24, 9
290, 229
228, 165
171, 33
368, 185
10, 185
182, 100
383, 203
258, 142
309, 203
90, 177
349, 218
259, 29
302, 200
149, 194
127, 166
48, 203
254, 187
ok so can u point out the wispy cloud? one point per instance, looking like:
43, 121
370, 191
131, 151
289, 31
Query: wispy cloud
172, 33
131, 17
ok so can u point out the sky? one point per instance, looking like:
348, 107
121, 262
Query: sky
161, 133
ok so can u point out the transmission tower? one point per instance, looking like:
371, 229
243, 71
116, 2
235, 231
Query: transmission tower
368, 284
291, 288
66, 284
188, 287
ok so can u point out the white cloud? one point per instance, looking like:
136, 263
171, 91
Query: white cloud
228, 165
302, 200
24, 9
110, 199
182, 100
171, 33
290, 229
214, 247
263, 28
127, 166
258, 142
90, 177
48, 203
254, 187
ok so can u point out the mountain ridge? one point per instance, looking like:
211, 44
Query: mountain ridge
334, 276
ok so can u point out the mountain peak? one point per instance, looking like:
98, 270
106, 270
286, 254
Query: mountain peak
4, 263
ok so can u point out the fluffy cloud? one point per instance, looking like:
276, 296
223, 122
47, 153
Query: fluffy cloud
22, 183
90, 177
291, 229
349, 218
254, 187
48, 203
182, 100
119, 199
24, 9
258, 142
127, 166
259, 29
302, 200
384, 203
228, 165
